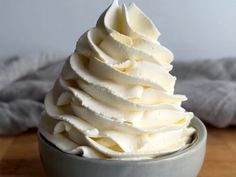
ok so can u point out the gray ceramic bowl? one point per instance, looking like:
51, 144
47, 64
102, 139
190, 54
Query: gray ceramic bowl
185, 163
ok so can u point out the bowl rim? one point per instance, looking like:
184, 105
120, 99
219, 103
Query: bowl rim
200, 141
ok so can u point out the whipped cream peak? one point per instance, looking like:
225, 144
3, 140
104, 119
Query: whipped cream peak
129, 20
115, 96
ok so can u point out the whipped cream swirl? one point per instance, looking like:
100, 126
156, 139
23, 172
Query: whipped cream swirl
115, 96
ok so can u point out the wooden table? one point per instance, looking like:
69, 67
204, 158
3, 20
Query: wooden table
19, 155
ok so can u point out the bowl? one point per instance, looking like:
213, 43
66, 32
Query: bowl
184, 163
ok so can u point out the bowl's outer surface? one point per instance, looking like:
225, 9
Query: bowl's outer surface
186, 163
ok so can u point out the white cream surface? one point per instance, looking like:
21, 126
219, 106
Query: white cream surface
115, 96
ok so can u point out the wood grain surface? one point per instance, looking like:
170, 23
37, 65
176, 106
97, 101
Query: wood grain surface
19, 155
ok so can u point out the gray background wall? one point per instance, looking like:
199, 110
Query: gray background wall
192, 29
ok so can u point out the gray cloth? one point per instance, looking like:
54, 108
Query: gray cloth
209, 85
23, 84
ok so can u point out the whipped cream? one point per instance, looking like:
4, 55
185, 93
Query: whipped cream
115, 96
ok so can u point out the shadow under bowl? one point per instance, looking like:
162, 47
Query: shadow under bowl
184, 163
